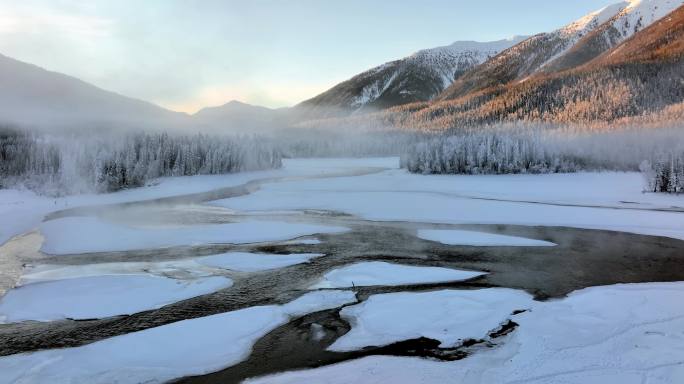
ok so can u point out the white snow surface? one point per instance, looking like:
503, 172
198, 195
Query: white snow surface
22, 210
639, 14
450, 316
479, 239
156, 355
600, 200
254, 262
100, 296
614, 334
88, 234
592, 20
382, 273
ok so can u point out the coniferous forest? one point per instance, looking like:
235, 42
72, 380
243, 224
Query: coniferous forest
65, 164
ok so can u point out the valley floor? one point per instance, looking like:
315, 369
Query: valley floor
345, 270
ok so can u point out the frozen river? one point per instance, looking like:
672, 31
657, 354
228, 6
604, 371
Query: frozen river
346, 270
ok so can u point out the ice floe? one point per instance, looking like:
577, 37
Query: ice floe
449, 316
382, 273
100, 296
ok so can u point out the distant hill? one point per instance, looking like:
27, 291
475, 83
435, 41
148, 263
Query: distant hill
32, 96
236, 116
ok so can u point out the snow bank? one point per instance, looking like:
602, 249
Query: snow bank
449, 316
100, 296
189, 347
479, 239
381, 273
253, 262
88, 234
614, 334
20, 212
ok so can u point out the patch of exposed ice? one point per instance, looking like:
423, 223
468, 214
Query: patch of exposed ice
253, 262
382, 273
479, 239
187, 268
88, 234
303, 242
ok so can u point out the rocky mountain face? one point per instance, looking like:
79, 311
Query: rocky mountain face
642, 75
634, 17
418, 77
565, 48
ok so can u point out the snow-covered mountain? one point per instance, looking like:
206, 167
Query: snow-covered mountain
531, 55
570, 46
640, 78
418, 77
635, 16
34, 97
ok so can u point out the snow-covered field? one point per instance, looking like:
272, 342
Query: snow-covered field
607, 200
623, 333
23, 210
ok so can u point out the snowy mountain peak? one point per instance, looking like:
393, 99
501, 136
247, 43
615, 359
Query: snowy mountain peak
604, 29
460, 47
594, 19
639, 14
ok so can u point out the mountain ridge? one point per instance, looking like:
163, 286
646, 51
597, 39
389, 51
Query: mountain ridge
36, 96
417, 77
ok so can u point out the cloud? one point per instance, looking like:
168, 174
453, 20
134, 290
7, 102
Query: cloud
18, 18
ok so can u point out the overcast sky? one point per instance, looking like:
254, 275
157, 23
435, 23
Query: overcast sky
185, 54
